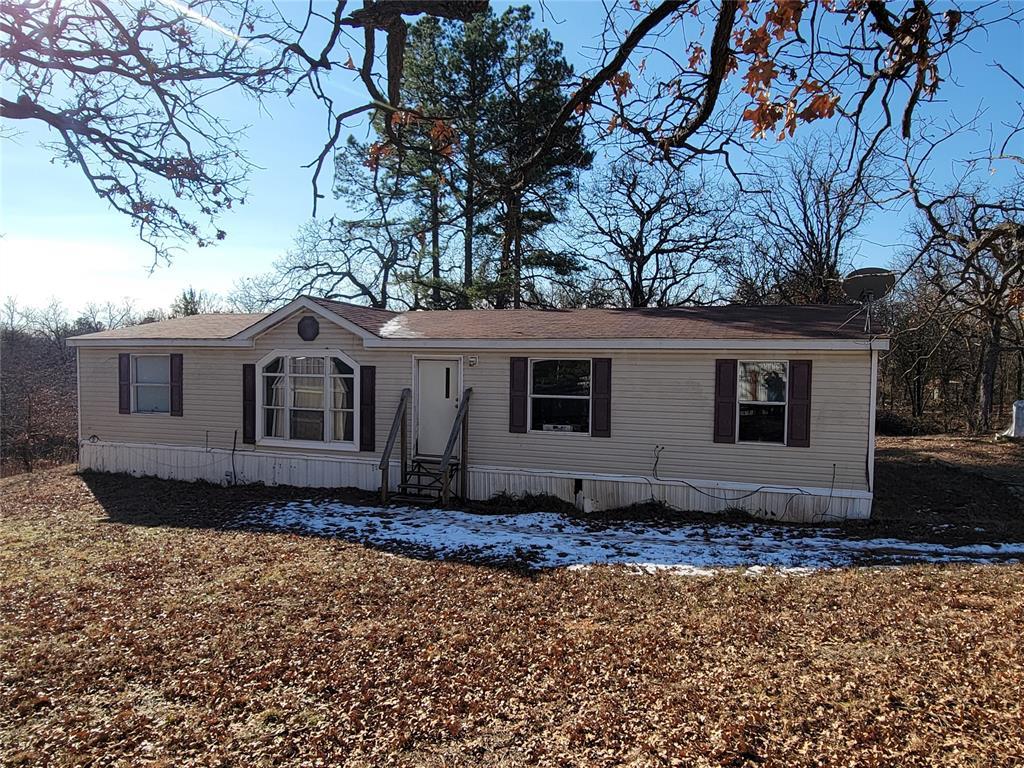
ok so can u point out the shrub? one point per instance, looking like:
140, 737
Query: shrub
897, 424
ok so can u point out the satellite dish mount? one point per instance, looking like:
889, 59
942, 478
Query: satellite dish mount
868, 285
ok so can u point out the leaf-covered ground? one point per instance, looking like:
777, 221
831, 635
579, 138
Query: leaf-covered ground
132, 633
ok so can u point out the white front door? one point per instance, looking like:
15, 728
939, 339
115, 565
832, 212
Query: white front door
437, 402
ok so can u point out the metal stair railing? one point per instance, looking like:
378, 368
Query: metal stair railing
398, 426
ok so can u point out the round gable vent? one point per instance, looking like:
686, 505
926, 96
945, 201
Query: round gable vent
309, 328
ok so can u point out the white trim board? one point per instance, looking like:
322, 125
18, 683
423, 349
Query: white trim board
140, 342
860, 345
872, 414
78, 394
483, 345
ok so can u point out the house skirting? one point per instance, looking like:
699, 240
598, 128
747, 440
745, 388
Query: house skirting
598, 491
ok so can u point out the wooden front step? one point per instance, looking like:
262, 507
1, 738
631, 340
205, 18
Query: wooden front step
413, 498
424, 481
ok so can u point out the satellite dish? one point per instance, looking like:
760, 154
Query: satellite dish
869, 284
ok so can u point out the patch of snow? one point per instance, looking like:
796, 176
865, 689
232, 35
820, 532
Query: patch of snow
549, 540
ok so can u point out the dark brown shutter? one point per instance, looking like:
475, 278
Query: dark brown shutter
124, 383
176, 385
248, 403
518, 390
725, 401
367, 407
601, 397
798, 431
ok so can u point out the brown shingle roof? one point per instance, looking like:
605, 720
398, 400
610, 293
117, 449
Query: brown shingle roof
730, 322
689, 323
212, 326
367, 318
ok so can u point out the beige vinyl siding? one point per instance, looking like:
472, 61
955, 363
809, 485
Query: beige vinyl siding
658, 399
211, 398
667, 399
212, 388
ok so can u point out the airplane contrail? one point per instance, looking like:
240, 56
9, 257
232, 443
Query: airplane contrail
205, 21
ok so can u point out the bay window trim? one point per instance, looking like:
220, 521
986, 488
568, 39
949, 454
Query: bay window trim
327, 407
530, 396
784, 402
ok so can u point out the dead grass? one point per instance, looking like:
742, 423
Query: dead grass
950, 488
133, 644
1001, 459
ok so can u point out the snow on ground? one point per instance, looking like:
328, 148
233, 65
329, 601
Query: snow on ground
544, 540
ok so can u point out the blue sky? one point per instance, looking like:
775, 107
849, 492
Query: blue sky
60, 241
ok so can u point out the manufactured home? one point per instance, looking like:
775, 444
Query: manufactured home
766, 409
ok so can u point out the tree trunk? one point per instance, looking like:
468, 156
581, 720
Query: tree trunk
1002, 390
988, 363
501, 294
1020, 375
635, 265
470, 214
385, 277
435, 244
517, 256
919, 381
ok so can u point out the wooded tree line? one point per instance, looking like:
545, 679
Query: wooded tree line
712, 151
38, 373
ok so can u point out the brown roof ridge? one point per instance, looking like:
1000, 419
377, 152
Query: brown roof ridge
338, 302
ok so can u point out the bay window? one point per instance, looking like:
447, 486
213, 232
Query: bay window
560, 395
308, 399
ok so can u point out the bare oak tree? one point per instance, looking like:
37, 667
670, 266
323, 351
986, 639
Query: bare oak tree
803, 225
371, 257
971, 251
655, 235
125, 93
363, 261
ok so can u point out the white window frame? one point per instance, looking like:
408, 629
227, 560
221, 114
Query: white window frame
784, 403
529, 396
133, 378
328, 443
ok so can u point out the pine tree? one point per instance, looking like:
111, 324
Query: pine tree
498, 83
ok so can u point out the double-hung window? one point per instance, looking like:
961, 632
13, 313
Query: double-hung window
560, 395
151, 383
308, 398
762, 401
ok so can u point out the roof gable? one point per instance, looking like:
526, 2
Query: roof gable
344, 315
